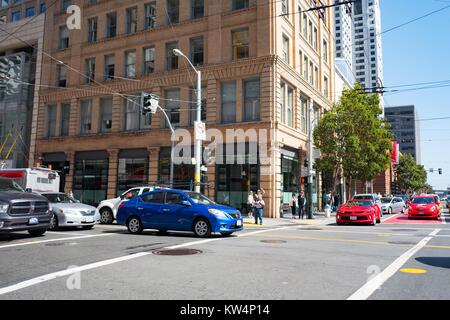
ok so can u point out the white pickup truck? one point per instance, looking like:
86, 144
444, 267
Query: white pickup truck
108, 208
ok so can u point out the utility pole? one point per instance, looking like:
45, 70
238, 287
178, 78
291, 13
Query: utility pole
198, 141
310, 159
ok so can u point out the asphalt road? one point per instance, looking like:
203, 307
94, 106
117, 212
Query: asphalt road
394, 260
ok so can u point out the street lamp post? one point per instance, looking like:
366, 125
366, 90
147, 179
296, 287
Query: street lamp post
310, 161
198, 141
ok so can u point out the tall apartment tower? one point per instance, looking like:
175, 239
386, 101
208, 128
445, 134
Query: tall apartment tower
367, 49
357, 42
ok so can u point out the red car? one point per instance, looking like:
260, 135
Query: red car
424, 207
360, 212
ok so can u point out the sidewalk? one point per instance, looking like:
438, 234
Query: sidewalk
287, 220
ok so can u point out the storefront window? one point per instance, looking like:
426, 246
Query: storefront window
183, 173
290, 169
131, 173
90, 180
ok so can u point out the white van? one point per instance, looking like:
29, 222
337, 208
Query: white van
34, 179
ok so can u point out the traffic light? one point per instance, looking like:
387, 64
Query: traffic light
306, 163
149, 103
440, 171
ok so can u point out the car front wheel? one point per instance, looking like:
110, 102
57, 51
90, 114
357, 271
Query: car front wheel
202, 228
134, 225
106, 216
374, 219
53, 223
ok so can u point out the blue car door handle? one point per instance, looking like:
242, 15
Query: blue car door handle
166, 210
139, 208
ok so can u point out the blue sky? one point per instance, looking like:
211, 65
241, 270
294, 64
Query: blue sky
419, 52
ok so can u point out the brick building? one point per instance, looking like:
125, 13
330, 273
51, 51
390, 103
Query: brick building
262, 63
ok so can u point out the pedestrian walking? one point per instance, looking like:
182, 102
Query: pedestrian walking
336, 202
301, 205
250, 200
293, 205
259, 205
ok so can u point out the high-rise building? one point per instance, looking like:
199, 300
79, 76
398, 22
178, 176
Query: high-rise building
263, 64
363, 24
405, 128
21, 42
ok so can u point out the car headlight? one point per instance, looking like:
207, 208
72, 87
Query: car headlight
218, 213
3, 207
433, 209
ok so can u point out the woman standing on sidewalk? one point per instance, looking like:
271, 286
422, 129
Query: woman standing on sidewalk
250, 200
259, 205
293, 205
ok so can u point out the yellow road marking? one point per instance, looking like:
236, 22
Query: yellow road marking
413, 271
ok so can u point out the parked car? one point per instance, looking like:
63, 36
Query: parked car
372, 197
22, 211
424, 207
404, 197
108, 208
68, 212
358, 211
390, 205
177, 210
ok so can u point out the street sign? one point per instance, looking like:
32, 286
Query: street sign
200, 130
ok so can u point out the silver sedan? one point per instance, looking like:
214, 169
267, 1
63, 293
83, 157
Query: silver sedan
68, 212
391, 205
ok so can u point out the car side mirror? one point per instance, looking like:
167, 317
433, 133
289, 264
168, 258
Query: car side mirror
29, 190
185, 203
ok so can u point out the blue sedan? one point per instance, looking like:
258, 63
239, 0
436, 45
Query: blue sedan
178, 211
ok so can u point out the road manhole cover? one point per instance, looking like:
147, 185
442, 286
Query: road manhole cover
403, 243
273, 241
176, 252
60, 244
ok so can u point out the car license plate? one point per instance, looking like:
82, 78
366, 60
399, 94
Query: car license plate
353, 218
33, 221
239, 223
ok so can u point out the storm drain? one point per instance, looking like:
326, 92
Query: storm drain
176, 252
273, 241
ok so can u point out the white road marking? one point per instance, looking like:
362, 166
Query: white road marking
67, 233
376, 282
54, 240
67, 272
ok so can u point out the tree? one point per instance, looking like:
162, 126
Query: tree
353, 139
411, 177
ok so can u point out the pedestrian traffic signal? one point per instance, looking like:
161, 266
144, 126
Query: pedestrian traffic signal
440, 171
306, 163
149, 103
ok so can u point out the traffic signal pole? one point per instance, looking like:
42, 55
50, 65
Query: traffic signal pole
198, 141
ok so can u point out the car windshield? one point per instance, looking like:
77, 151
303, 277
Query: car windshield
363, 197
10, 185
423, 200
59, 198
386, 200
199, 198
358, 204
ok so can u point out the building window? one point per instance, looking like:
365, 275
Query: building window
285, 56
239, 4
316, 77
51, 121
150, 16
311, 74
65, 4
132, 169
310, 29
111, 25
90, 70
149, 60
173, 11
63, 37
287, 104
62, 75
196, 45
251, 100
134, 119
305, 67
325, 87
305, 25
193, 106
197, 9
284, 7
130, 64
172, 59
90, 179
106, 114
42, 7
172, 97
314, 44
85, 116
29, 12
131, 20
92, 29
109, 67
325, 50
65, 118
240, 44
303, 115
228, 97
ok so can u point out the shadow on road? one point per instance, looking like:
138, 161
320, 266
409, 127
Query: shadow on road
441, 262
